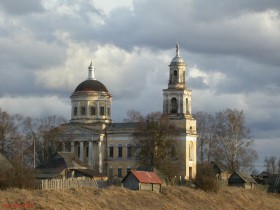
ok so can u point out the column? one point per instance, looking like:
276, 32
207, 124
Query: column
81, 151
72, 148
78, 109
97, 110
179, 104
88, 109
100, 154
90, 154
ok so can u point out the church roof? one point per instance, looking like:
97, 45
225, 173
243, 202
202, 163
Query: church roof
177, 58
91, 85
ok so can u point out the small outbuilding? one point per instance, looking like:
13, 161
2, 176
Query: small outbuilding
220, 170
65, 165
240, 179
142, 180
274, 183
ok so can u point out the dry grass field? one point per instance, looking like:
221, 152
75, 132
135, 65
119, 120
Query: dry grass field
119, 198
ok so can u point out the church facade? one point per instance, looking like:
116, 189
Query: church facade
108, 147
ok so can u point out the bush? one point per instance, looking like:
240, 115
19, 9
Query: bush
205, 178
19, 176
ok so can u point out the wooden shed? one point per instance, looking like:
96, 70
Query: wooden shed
239, 179
142, 180
65, 165
274, 183
220, 170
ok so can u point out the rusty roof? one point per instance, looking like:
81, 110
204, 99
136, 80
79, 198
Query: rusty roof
145, 177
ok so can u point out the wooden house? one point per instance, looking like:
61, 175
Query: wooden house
65, 165
274, 183
142, 180
220, 170
239, 179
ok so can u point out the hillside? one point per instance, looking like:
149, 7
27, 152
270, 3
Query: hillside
119, 198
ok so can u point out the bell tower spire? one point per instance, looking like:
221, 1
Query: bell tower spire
177, 98
177, 50
91, 71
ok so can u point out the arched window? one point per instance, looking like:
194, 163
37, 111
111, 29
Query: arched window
120, 147
175, 76
191, 151
119, 171
111, 151
129, 150
75, 111
173, 105
83, 110
92, 110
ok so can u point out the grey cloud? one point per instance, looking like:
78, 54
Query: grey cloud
21, 7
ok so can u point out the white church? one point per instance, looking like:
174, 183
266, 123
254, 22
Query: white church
108, 147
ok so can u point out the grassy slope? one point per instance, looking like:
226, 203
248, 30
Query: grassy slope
119, 198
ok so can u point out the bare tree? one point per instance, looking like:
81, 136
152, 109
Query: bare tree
43, 133
233, 144
134, 116
157, 146
205, 129
9, 134
270, 164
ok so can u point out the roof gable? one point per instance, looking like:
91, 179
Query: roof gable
62, 160
75, 131
245, 177
145, 177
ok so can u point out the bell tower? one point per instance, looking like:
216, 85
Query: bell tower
177, 98
178, 110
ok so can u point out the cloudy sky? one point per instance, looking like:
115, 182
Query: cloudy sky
232, 49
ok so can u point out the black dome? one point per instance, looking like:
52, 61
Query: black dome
91, 85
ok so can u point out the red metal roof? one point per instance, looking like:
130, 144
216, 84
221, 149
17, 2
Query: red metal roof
147, 177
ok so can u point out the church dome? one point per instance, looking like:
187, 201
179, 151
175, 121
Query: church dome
91, 85
177, 58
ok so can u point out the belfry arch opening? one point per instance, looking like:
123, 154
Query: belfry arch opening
174, 106
175, 76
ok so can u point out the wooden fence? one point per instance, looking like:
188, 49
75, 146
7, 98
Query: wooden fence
69, 183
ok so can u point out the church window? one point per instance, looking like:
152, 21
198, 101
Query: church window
129, 149
173, 105
111, 151
187, 106
83, 110
119, 172
93, 110
191, 152
128, 169
102, 110
120, 150
75, 111
175, 76
108, 111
